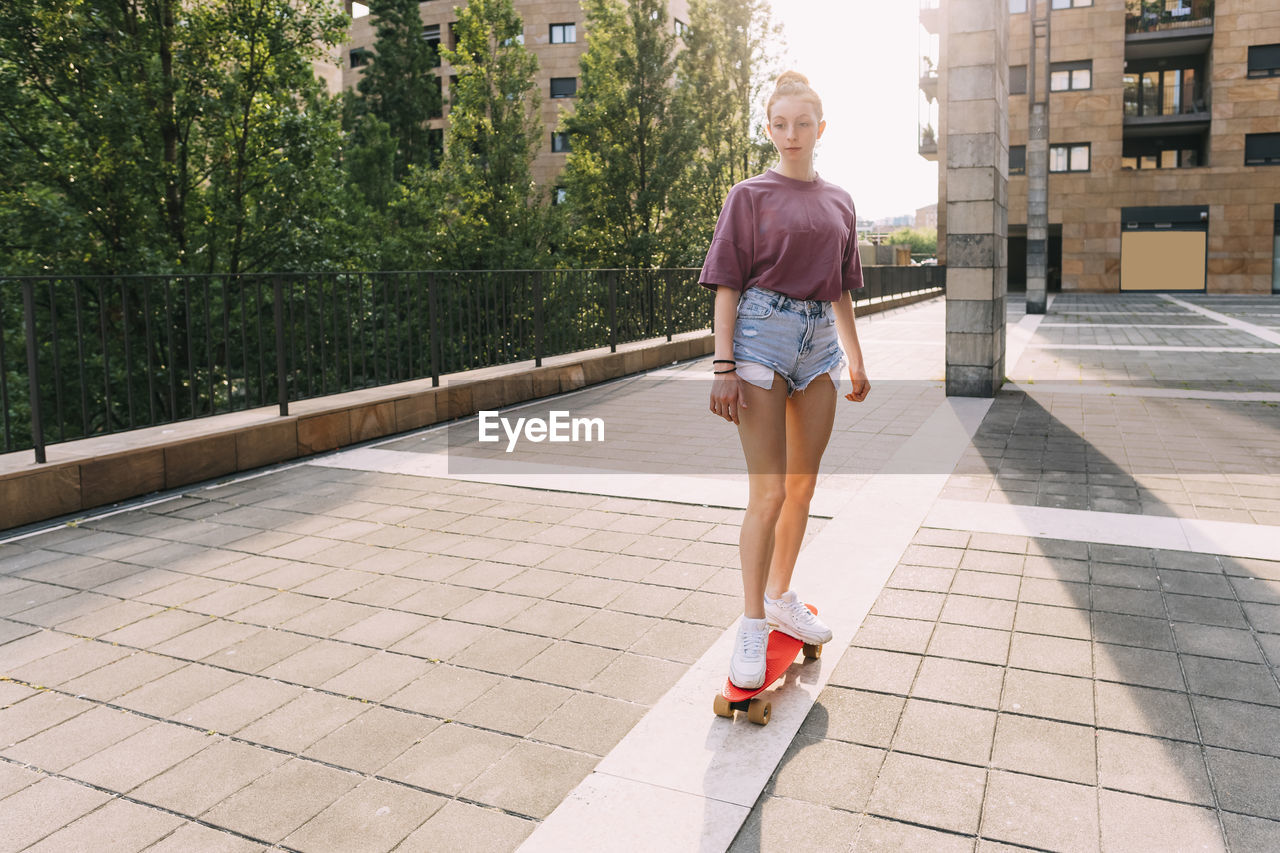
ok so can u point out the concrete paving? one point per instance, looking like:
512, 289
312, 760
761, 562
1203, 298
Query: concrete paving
1070, 640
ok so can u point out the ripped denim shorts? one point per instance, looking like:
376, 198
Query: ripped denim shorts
794, 338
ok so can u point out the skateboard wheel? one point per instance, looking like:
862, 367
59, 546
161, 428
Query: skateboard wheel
812, 651
722, 707
758, 712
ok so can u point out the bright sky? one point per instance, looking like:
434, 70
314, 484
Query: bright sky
862, 57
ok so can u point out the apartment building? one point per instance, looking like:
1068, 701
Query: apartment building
553, 32
1164, 140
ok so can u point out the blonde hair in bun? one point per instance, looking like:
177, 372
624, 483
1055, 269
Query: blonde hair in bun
796, 85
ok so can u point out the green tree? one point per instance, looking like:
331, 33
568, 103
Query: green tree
155, 135
631, 142
923, 241
491, 216
400, 86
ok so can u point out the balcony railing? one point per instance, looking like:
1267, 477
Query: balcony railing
928, 143
1149, 16
87, 356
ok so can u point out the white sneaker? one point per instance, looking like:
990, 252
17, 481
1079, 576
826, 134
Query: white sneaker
747, 666
789, 615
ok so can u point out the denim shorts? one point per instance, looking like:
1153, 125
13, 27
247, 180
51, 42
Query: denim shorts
795, 338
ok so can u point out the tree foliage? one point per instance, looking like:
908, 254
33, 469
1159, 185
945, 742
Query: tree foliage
154, 135
923, 241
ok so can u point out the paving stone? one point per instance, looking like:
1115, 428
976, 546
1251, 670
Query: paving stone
372, 740
676, 641
1042, 813
611, 629
1131, 822
378, 676
548, 618
636, 678
1205, 611
1238, 725
922, 578
1130, 577
1050, 654
449, 758
1055, 569
531, 779
1231, 680
297, 725
1251, 833
978, 612
327, 619
282, 800
1045, 748
371, 818
909, 604
929, 792
598, 592
986, 585
1053, 621
35, 714
1196, 583
1153, 767
38, 810
516, 707
68, 664
207, 778
981, 645
856, 716
568, 664
886, 836
33, 647
499, 651
894, 635
536, 583
113, 617
949, 732
168, 693
443, 691
383, 629
465, 828
14, 777
1145, 711
942, 538
829, 773
130, 762
1134, 602
960, 682
237, 705
1144, 667
1216, 642
589, 723
929, 555
441, 640
118, 827
318, 662
873, 669
57, 748
1041, 694
780, 823
1263, 617
1127, 630
126, 674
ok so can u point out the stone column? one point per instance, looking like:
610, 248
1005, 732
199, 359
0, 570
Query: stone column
975, 121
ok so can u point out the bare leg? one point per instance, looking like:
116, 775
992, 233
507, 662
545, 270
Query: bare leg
762, 429
810, 415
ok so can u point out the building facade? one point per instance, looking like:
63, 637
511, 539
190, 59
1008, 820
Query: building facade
1164, 140
553, 31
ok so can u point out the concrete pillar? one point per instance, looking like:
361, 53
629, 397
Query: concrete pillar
975, 122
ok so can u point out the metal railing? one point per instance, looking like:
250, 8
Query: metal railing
1149, 16
87, 356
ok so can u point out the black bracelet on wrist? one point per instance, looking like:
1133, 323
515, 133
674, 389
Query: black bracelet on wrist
718, 372
724, 361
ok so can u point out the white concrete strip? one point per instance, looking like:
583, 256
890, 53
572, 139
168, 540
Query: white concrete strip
1123, 325
1096, 390
1228, 538
707, 490
1262, 332
1152, 348
681, 746
1089, 313
1019, 336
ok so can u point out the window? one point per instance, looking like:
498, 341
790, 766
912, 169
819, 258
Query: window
431, 35
564, 33
1171, 91
560, 143
438, 83
1017, 7
1072, 157
1071, 4
1175, 152
1264, 60
360, 57
1017, 159
1071, 76
518, 39
558, 195
682, 29
359, 10
1017, 79
1262, 149
564, 87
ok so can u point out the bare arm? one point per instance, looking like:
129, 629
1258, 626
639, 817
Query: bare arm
848, 333
726, 388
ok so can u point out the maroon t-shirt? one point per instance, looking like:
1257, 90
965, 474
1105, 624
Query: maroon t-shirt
798, 238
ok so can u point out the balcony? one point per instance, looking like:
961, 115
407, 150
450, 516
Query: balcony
1167, 17
928, 143
929, 78
930, 15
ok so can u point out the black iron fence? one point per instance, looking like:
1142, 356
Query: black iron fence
85, 356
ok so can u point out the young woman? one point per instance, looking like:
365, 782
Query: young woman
783, 260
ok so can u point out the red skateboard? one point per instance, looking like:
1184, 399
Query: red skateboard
779, 655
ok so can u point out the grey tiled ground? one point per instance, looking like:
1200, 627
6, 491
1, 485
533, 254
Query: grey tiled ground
323, 659
1045, 694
